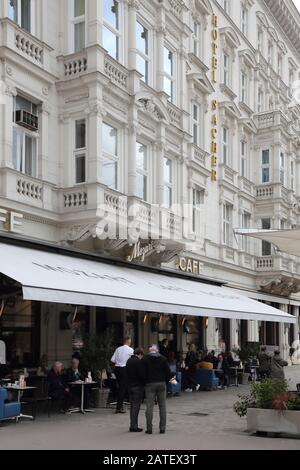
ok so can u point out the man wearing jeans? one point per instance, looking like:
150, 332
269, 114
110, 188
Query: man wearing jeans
136, 387
157, 374
119, 359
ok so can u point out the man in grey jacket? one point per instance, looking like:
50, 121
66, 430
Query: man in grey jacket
157, 373
276, 367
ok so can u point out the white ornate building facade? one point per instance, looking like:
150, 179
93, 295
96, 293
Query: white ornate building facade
179, 115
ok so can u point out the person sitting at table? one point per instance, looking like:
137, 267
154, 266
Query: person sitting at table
222, 371
229, 358
58, 389
43, 368
73, 374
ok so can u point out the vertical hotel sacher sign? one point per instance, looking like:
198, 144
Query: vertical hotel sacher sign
214, 103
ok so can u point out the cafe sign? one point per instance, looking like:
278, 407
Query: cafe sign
189, 265
10, 221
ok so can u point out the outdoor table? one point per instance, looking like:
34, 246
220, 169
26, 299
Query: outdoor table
236, 369
82, 384
20, 390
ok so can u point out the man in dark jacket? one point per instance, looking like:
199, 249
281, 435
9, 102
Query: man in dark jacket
264, 361
157, 373
276, 367
135, 383
58, 389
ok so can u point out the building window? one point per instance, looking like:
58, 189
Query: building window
244, 88
265, 166
227, 224
142, 171
198, 198
142, 47
282, 224
270, 52
282, 168
78, 24
260, 40
111, 29
168, 182
226, 6
266, 246
197, 39
225, 152
226, 75
291, 78
169, 74
196, 122
279, 64
20, 11
80, 151
25, 141
271, 103
246, 222
244, 166
110, 158
244, 20
292, 175
260, 100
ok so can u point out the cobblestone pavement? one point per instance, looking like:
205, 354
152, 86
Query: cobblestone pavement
203, 420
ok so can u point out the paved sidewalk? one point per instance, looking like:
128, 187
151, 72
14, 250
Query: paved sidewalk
196, 421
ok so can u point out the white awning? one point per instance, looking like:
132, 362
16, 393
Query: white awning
51, 277
285, 240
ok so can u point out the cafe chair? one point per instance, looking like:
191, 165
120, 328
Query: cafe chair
207, 379
8, 410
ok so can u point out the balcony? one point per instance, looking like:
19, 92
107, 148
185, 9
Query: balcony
271, 119
278, 274
26, 45
272, 192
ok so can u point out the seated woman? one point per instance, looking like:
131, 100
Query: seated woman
73, 374
191, 361
222, 371
58, 389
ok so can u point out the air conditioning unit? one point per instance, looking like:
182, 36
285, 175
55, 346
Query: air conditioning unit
28, 120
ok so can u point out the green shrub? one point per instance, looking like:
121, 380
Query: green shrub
267, 391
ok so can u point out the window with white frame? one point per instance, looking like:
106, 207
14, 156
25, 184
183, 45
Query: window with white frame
292, 175
260, 101
244, 160
142, 50
198, 198
111, 28
196, 124
197, 39
169, 73
282, 224
270, 52
168, 182
78, 25
25, 141
260, 40
142, 171
246, 223
271, 103
244, 87
279, 64
291, 78
227, 224
265, 166
226, 69
225, 145
282, 168
244, 20
266, 247
110, 157
21, 11
226, 6
80, 151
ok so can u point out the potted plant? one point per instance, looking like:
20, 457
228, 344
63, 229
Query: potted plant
270, 408
247, 353
96, 354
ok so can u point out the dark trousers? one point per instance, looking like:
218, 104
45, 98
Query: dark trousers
122, 384
136, 395
156, 391
223, 378
63, 396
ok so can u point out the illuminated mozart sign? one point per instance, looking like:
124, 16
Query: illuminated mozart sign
214, 104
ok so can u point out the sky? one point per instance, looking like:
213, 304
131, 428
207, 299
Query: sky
297, 3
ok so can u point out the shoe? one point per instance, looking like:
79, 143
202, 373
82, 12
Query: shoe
197, 388
136, 430
120, 411
189, 390
162, 431
148, 432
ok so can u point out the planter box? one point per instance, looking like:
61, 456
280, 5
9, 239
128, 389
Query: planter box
273, 421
